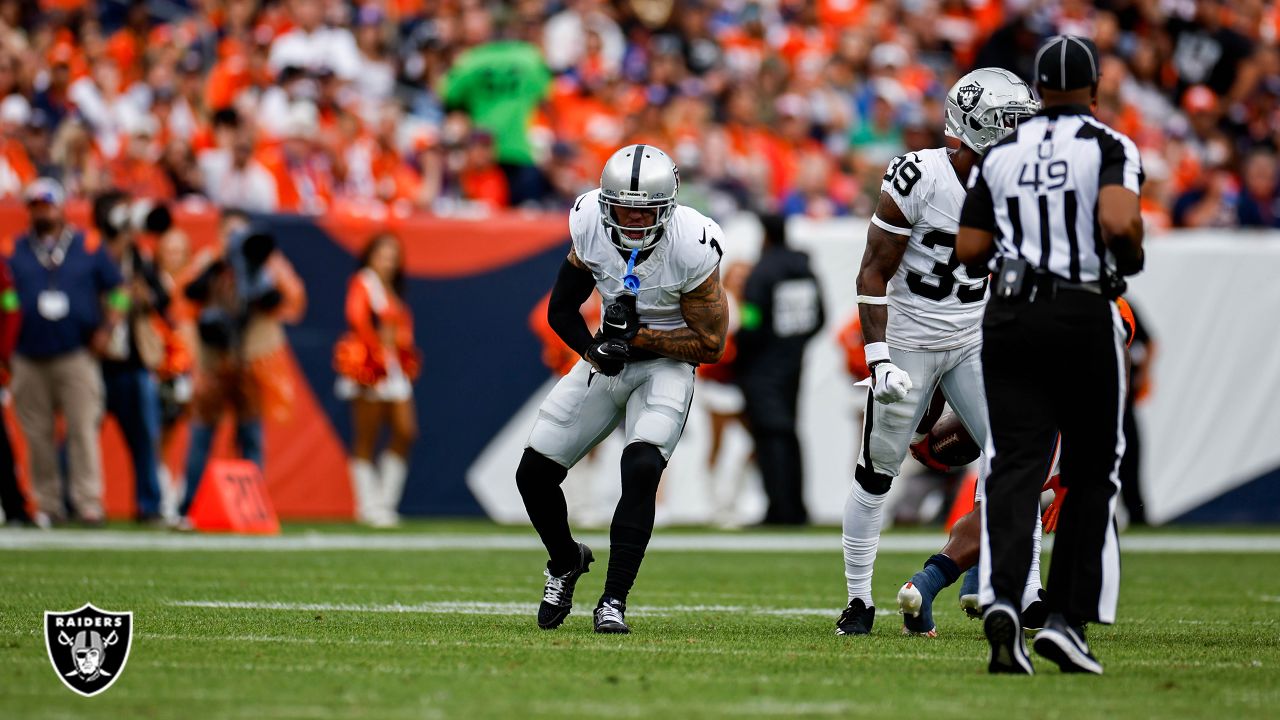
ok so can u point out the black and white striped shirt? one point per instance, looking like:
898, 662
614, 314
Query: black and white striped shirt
1037, 191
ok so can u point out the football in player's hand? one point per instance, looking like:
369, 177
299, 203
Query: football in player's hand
948, 444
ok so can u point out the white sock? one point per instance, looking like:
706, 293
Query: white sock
364, 487
394, 471
863, 517
1031, 592
169, 498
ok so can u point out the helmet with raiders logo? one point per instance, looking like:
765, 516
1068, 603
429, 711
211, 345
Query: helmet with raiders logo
638, 177
986, 105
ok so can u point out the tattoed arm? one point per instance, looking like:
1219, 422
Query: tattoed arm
706, 314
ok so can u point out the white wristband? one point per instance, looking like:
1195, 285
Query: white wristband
877, 352
875, 220
873, 299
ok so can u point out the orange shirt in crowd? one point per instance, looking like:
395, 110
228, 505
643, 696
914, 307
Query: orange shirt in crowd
841, 13
486, 185
19, 162
123, 48
140, 178
303, 188
594, 124
228, 77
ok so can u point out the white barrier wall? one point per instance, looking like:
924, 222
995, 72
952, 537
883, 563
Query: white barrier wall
1211, 424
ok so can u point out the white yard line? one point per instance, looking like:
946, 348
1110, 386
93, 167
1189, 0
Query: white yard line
677, 542
500, 608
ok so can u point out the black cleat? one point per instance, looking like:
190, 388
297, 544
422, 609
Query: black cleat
1033, 616
609, 617
1008, 647
1065, 645
557, 594
856, 619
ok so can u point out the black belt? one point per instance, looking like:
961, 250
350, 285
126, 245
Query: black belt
1047, 286
1016, 282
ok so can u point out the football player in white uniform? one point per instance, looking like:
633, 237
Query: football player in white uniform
656, 266
922, 320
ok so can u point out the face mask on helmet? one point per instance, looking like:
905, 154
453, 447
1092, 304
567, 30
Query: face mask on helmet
635, 226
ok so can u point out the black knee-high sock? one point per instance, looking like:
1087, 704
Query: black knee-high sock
642, 467
538, 479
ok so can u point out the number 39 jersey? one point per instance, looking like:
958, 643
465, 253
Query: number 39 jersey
681, 261
933, 303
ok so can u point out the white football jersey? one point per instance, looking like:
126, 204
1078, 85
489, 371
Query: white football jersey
933, 303
683, 259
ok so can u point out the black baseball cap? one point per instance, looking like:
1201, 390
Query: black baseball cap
1067, 62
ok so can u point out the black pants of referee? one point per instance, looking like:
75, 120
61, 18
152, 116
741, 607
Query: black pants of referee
1055, 364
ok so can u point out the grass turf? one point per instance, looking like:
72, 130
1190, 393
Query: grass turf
1197, 638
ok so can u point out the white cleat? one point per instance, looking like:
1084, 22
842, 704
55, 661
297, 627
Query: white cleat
909, 600
971, 607
909, 604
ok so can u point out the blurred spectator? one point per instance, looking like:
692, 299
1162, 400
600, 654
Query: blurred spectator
137, 348
242, 298
230, 174
302, 169
174, 264
481, 179
724, 401
65, 292
313, 45
1211, 203
500, 85
565, 37
136, 171
12, 500
1207, 53
16, 169
1259, 204
378, 362
781, 310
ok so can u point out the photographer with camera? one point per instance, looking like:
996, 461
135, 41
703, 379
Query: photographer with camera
243, 298
136, 347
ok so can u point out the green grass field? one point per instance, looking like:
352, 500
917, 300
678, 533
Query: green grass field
379, 633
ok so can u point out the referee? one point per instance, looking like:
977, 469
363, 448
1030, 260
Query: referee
1054, 211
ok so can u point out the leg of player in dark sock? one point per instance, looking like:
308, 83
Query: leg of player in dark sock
943, 569
642, 467
538, 479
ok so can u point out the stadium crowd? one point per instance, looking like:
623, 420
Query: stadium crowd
452, 106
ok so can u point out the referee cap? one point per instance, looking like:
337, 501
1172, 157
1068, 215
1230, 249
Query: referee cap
1067, 62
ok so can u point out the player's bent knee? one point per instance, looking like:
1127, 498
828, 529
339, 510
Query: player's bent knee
871, 481
537, 470
642, 462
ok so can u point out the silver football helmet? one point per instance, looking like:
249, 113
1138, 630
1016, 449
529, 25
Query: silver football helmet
638, 176
986, 105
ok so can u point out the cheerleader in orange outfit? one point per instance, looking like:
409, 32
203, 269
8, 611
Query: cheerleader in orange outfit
377, 363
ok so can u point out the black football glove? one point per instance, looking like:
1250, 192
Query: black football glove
609, 355
621, 321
